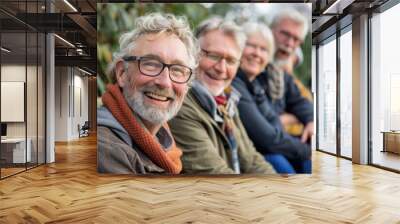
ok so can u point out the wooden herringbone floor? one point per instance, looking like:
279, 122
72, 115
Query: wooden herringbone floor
70, 191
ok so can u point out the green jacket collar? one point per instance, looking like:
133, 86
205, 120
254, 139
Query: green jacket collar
207, 101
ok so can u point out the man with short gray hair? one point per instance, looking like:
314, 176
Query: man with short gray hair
151, 74
208, 127
289, 28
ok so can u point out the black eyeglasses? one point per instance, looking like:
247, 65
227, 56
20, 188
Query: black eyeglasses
153, 67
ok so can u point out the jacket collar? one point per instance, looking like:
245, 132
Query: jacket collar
255, 87
209, 104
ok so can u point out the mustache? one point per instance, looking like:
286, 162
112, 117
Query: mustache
287, 50
215, 76
159, 91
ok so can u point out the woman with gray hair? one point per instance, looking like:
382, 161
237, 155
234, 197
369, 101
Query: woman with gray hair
284, 152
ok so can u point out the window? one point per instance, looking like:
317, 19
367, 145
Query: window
22, 69
385, 86
327, 96
346, 93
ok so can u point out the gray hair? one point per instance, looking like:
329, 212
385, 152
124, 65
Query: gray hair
227, 26
250, 28
292, 15
156, 23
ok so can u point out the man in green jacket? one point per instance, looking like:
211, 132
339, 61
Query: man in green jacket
208, 128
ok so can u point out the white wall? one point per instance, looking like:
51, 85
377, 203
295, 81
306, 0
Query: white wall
61, 103
71, 94
79, 110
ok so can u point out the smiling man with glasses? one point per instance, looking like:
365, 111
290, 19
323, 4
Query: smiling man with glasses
151, 74
208, 128
151, 66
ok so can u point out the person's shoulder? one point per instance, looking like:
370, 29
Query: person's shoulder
116, 156
107, 139
109, 142
241, 87
288, 78
193, 106
104, 133
238, 83
189, 106
109, 146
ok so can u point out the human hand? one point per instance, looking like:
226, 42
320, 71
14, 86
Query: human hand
288, 119
307, 132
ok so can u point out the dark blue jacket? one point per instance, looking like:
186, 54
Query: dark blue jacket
292, 102
262, 123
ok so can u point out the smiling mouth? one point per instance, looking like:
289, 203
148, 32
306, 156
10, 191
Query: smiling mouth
215, 78
284, 51
254, 61
158, 97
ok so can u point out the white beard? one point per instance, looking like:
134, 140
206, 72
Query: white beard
154, 115
281, 63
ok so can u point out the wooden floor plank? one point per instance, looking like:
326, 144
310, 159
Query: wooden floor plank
71, 191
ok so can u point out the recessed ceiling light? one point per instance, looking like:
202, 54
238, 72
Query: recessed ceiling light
84, 71
5, 49
64, 40
71, 6
337, 7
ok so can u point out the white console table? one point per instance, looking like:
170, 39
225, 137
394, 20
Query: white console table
18, 149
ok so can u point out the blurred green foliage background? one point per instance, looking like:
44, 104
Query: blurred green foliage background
113, 19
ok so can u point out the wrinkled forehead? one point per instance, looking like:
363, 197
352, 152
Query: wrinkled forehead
291, 26
220, 42
166, 46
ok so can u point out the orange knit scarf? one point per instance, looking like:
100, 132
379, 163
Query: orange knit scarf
115, 102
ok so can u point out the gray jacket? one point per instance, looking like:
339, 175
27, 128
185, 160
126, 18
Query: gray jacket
118, 153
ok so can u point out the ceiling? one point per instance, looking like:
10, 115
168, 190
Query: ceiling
76, 23
328, 16
72, 20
